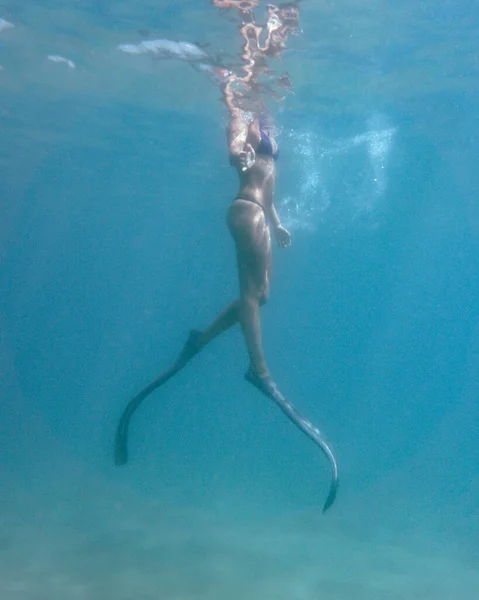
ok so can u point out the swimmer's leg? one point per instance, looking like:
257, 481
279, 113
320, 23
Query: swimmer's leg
254, 259
268, 387
248, 227
224, 321
191, 348
254, 250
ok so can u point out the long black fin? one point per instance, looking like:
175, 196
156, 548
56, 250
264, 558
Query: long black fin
267, 387
190, 349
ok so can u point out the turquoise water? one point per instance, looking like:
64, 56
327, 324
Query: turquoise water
113, 192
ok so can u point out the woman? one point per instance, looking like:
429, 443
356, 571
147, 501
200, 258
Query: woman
251, 219
252, 214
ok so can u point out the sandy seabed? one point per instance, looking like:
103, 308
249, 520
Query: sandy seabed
63, 545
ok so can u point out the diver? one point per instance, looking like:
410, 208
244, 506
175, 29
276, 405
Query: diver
251, 218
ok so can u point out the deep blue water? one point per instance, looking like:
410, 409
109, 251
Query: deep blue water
114, 188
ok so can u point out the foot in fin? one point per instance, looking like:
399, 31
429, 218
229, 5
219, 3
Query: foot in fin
191, 348
265, 385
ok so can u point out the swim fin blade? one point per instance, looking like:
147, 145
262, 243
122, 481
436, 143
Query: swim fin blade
190, 349
268, 387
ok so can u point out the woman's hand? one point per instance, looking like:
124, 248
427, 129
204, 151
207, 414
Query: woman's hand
247, 157
283, 237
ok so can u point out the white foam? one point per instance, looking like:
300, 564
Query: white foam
5, 25
61, 59
166, 49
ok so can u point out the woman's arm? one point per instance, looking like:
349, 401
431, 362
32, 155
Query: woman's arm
241, 151
273, 216
282, 235
237, 136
